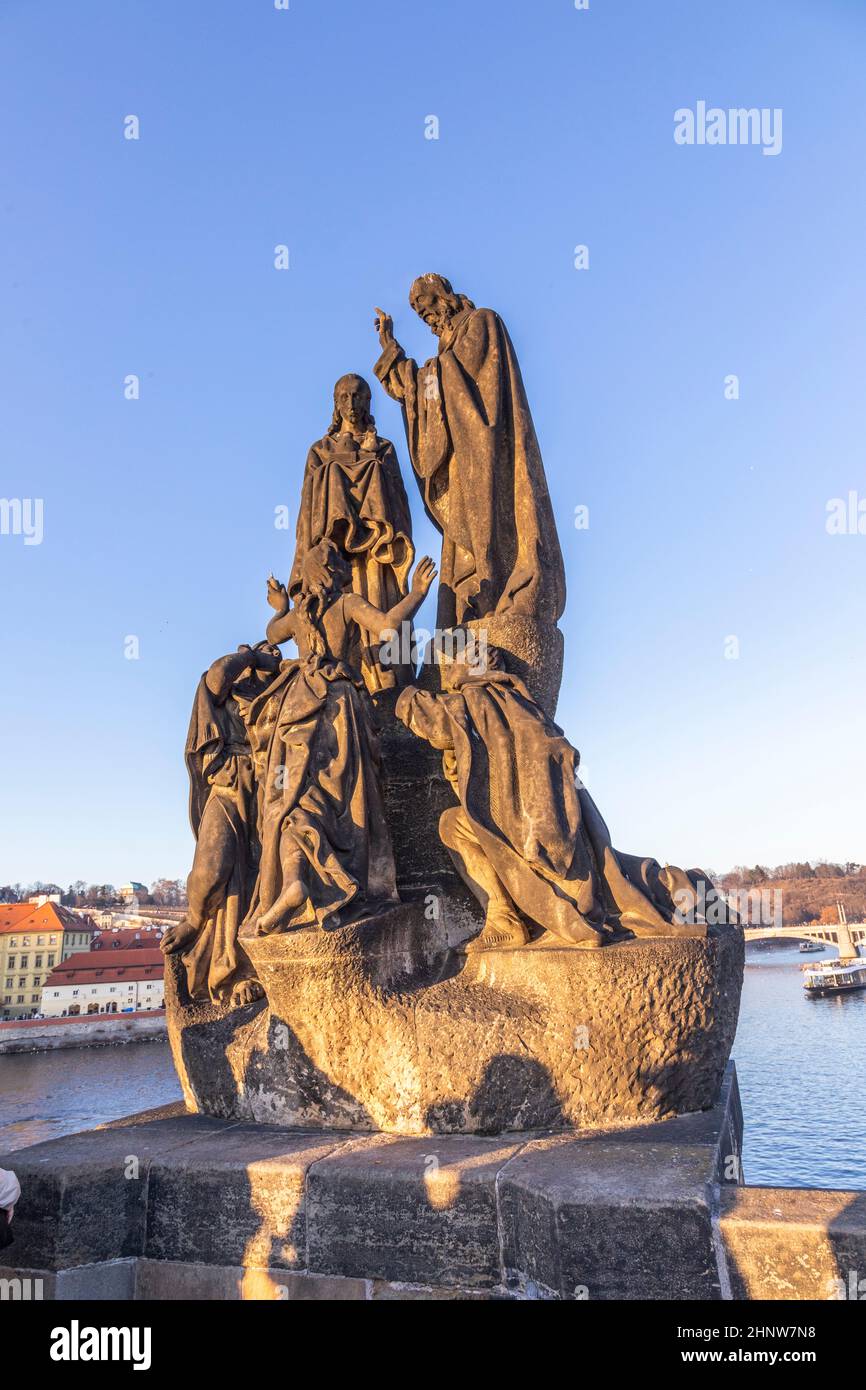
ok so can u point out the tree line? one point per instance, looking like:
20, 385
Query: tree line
163, 892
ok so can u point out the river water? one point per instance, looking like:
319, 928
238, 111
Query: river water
798, 1060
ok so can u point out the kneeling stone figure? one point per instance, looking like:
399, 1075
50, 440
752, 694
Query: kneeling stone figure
527, 838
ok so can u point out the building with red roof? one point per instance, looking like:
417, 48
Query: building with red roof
34, 938
127, 938
105, 981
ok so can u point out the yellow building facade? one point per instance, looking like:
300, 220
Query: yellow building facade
34, 939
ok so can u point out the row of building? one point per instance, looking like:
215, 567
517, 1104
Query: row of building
55, 963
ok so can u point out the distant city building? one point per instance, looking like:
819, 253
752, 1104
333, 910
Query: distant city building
125, 918
34, 939
39, 898
105, 981
128, 891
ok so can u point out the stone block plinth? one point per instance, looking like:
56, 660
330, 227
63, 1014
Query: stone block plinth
204, 1209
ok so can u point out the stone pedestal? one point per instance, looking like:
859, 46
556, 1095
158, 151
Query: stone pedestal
385, 1026
219, 1210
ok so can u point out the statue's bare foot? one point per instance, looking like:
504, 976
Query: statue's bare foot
293, 894
246, 992
502, 929
179, 937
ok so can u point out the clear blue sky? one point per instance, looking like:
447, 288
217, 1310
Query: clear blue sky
306, 127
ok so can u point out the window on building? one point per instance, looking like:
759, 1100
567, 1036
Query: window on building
40, 941
22, 980
34, 998
37, 980
11, 962
57, 994
20, 999
50, 960
7, 998
25, 961
38, 963
9, 982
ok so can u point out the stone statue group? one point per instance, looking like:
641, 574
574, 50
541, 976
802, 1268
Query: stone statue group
284, 761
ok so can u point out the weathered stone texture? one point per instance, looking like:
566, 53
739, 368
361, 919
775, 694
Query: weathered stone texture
383, 1026
785, 1243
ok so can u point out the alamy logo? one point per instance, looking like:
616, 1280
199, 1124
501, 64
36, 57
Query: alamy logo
22, 516
17, 1290
739, 125
77, 1343
846, 516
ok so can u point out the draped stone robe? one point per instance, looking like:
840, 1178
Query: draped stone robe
320, 786
517, 780
474, 450
353, 495
224, 755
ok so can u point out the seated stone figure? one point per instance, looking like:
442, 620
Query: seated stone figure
326, 851
527, 837
228, 732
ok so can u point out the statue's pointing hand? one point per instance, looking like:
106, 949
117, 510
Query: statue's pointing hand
277, 596
384, 327
425, 573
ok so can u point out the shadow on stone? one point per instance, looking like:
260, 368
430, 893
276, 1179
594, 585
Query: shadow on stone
512, 1090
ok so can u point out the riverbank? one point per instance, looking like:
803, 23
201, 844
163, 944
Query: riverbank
98, 1030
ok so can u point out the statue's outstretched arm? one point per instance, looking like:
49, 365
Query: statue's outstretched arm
281, 628
394, 369
282, 624
383, 625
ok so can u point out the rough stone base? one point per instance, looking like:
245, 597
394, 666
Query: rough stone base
195, 1208
384, 1026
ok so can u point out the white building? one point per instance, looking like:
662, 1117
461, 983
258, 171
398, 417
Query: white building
105, 981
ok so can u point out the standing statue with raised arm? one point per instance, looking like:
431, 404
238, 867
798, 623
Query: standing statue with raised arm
475, 453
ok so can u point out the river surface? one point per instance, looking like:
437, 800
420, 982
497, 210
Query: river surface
799, 1062
800, 1067
44, 1094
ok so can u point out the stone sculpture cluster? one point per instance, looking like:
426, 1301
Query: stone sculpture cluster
284, 755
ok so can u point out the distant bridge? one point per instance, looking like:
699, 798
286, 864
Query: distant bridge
853, 934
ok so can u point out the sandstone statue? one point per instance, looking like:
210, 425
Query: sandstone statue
326, 852
443, 1011
228, 733
474, 450
527, 837
353, 496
